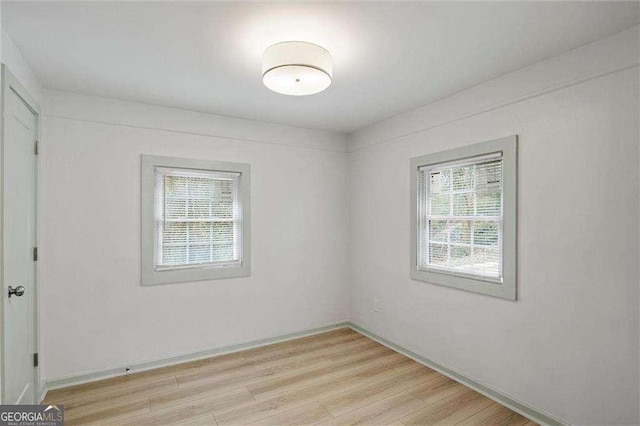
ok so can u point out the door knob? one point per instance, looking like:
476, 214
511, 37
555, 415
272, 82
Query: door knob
18, 291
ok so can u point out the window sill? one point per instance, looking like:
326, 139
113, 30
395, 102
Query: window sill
204, 273
198, 266
463, 275
462, 282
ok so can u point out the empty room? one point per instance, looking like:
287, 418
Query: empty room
333, 213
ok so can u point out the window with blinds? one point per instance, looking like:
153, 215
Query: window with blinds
198, 218
460, 217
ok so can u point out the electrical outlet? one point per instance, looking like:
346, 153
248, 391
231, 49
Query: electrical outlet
376, 305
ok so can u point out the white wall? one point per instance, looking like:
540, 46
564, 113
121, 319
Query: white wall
95, 313
569, 345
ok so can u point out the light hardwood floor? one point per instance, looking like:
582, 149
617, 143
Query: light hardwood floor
336, 378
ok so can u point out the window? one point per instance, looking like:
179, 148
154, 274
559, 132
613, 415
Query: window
461, 217
463, 225
195, 220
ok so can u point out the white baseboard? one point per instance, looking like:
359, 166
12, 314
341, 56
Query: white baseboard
43, 392
519, 407
93, 376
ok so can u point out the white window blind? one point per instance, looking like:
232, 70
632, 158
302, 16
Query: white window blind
198, 218
461, 217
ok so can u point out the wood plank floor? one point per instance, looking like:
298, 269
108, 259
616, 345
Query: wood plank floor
336, 378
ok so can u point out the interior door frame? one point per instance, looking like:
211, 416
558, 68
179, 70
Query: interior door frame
11, 84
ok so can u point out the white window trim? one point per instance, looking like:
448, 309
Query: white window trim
507, 289
150, 275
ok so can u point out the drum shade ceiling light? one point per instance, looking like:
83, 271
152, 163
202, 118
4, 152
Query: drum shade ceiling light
296, 68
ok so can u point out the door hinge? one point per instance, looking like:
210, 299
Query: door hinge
37, 148
35, 359
35, 254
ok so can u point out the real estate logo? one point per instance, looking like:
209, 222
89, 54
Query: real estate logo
31, 415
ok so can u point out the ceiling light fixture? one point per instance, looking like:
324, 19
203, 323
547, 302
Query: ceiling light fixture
296, 68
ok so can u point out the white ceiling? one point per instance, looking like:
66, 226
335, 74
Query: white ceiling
389, 57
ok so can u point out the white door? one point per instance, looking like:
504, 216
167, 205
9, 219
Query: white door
19, 209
